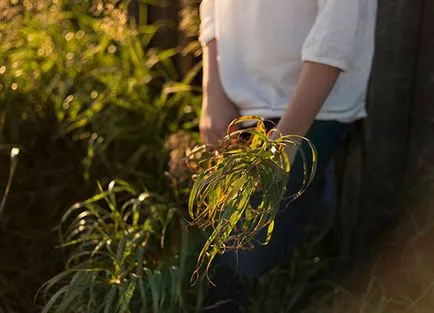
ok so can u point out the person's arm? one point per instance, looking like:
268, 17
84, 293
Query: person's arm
217, 109
315, 83
328, 50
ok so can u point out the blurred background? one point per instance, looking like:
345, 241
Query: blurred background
99, 101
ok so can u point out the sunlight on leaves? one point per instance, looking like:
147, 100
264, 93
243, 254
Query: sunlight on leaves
246, 165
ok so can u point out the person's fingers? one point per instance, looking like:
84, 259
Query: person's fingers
204, 132
216, 136
212, 136
220, 134
208, 137
204, 137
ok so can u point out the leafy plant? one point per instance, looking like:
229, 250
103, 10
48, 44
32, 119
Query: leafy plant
129, 254
190, 25
84, 69
85, 97
180, 145
247, 164
190, 19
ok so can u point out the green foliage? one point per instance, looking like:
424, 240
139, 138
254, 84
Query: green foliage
190, 24
96, 78
190, 19
129, 254
247, 163
85, 97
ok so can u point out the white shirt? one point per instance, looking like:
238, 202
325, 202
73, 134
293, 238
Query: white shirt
261, 46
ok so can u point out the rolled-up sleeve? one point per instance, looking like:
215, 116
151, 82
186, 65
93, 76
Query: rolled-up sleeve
207, 21
332, 40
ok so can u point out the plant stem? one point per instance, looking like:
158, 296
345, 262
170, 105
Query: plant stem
14, 162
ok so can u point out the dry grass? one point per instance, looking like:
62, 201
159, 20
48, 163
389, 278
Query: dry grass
401, 279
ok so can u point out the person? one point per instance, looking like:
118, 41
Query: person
306, 65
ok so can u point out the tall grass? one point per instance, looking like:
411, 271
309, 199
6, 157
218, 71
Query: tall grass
96, 79
84, 97
129, 254
189, 25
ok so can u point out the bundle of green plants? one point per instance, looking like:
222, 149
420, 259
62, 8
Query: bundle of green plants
250, 162
129, 253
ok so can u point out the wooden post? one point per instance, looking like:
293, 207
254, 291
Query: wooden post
171, 37
167, 10
421, 160
387, 128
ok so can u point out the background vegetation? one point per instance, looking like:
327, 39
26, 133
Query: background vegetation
85, 98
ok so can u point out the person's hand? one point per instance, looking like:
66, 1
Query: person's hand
217, 113
291, 149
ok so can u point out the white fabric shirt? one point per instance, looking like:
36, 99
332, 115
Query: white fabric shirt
261, 46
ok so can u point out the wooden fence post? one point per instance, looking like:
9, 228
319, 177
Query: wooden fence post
387, 127
421, 160
167, 10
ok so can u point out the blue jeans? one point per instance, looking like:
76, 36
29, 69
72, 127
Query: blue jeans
291, 222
